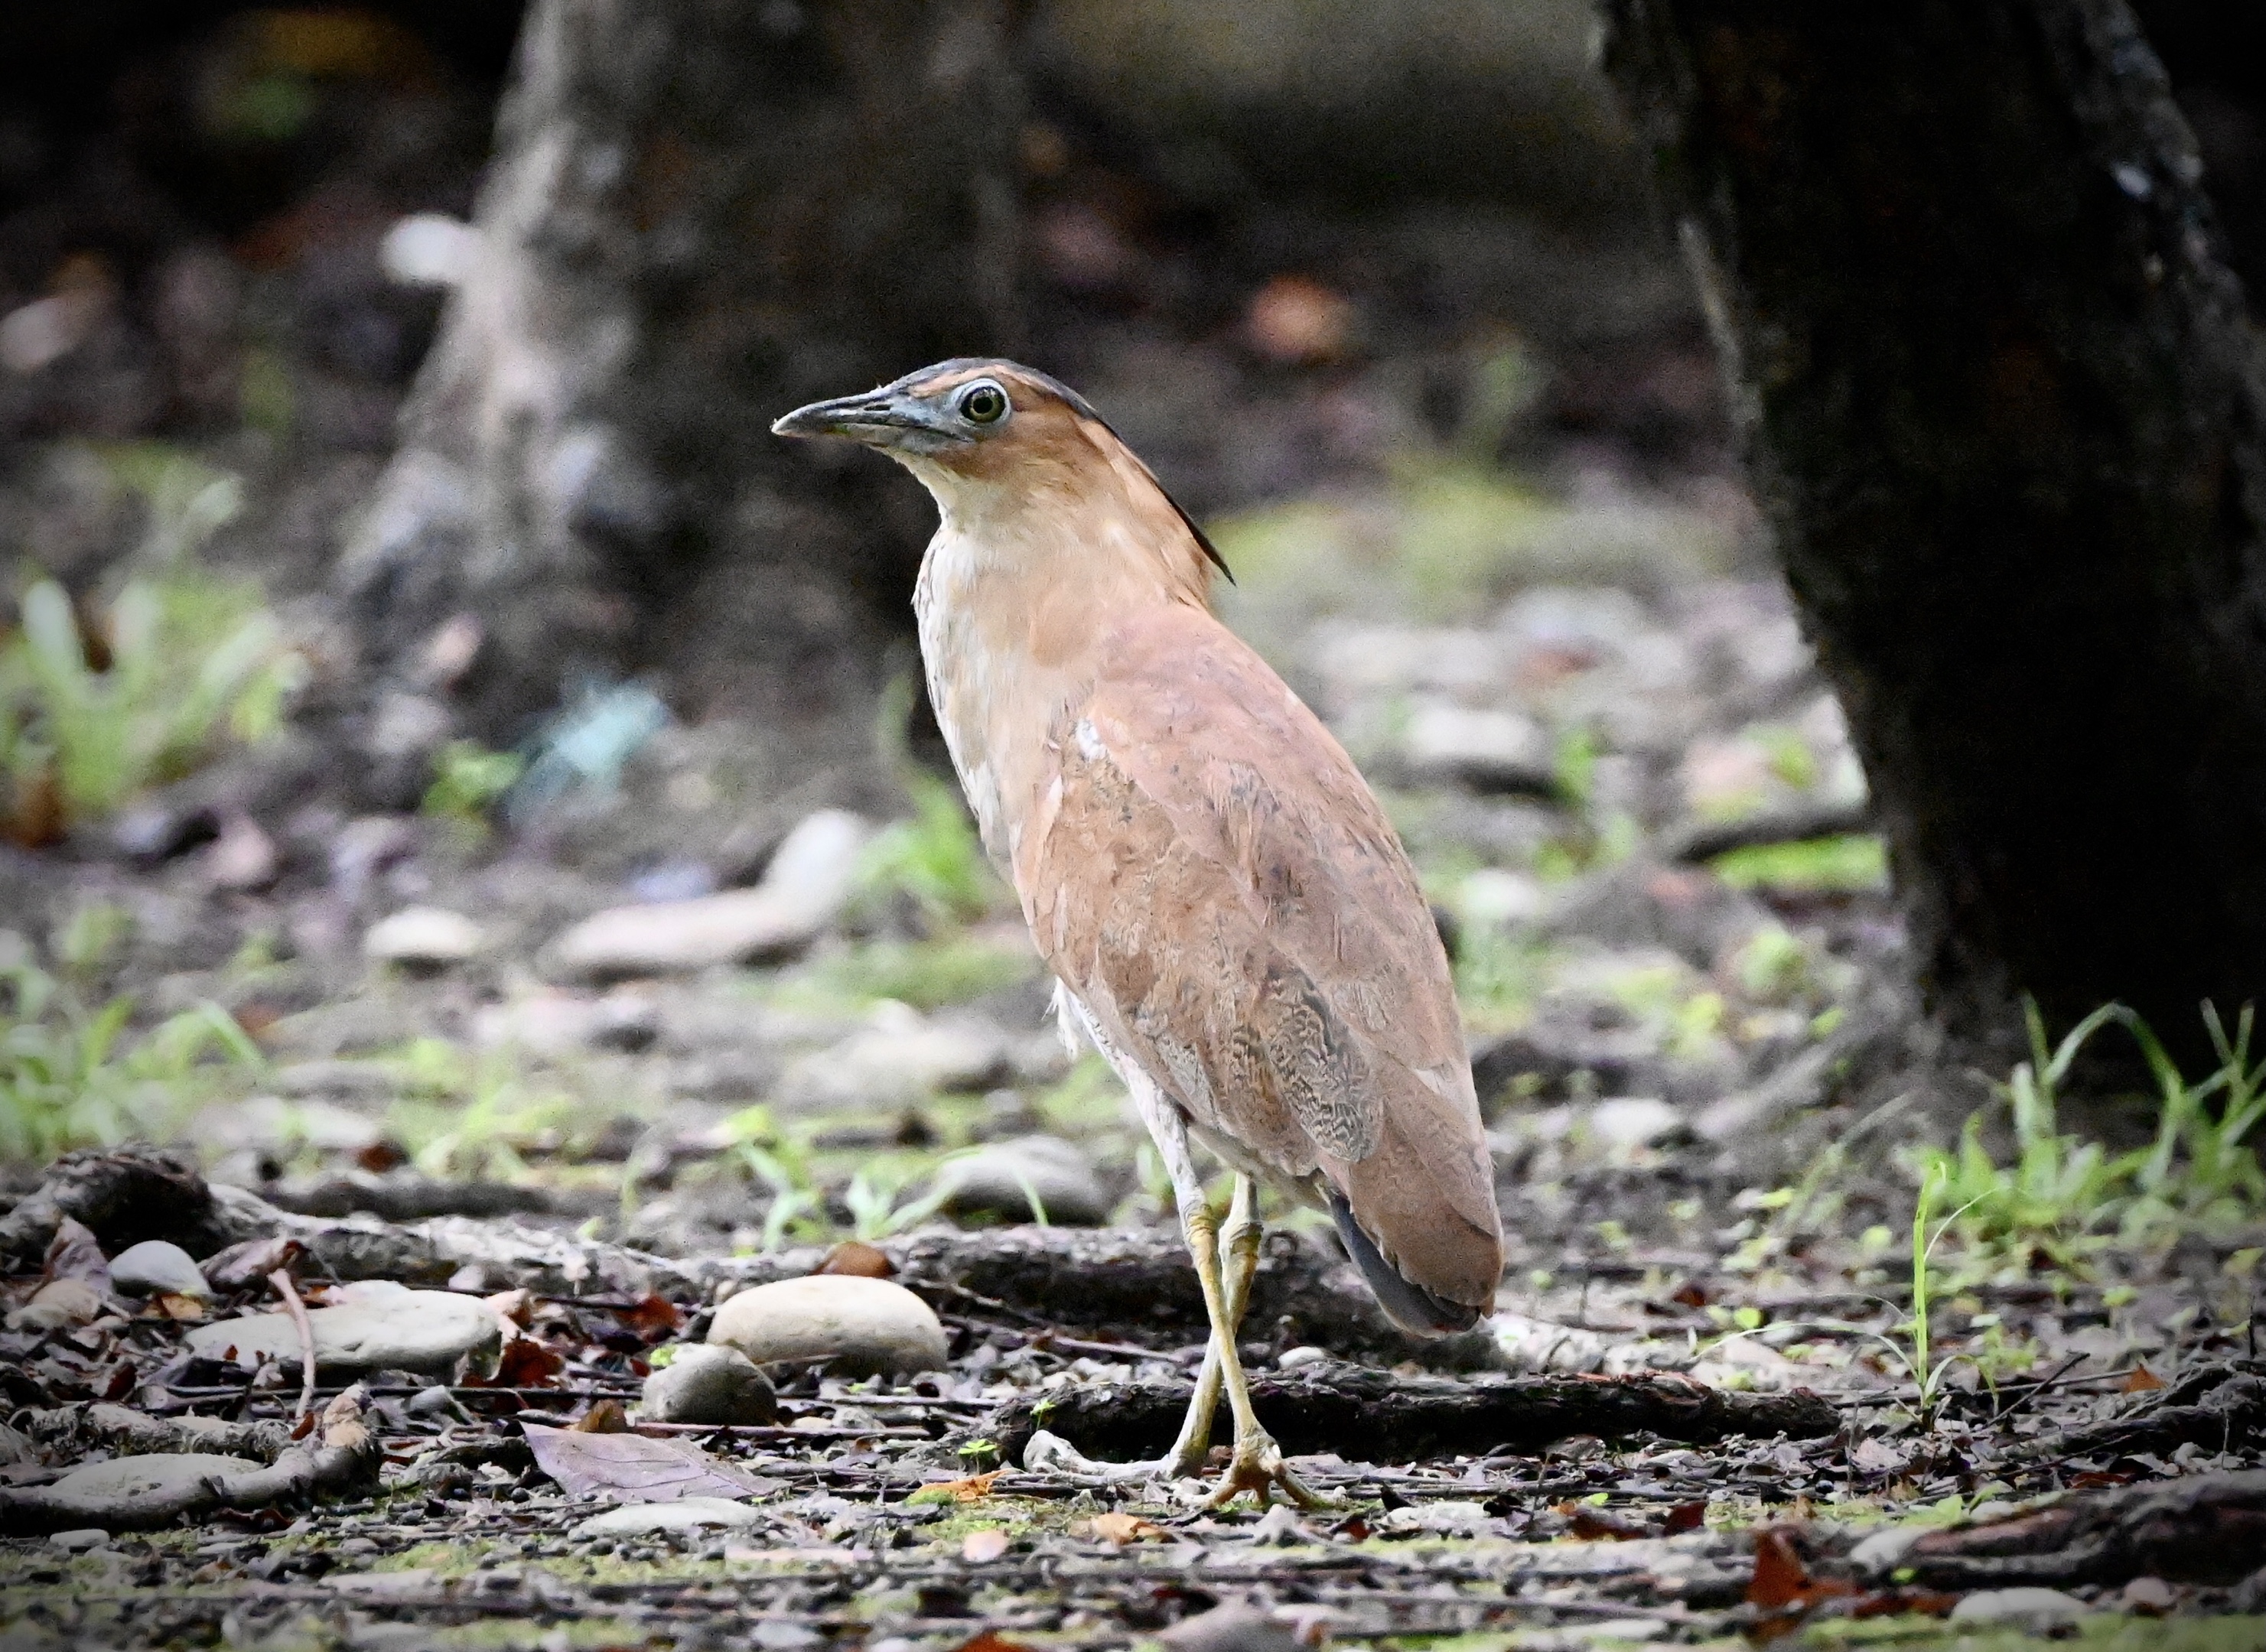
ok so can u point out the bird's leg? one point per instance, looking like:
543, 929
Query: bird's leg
1240, 1239
1257, 1465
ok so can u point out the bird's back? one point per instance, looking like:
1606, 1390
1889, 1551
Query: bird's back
1210, 874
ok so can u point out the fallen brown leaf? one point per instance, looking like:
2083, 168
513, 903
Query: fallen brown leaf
652, 1317
1687, 1516
635, 1467
251, 1262
605, 1417
1118, 1528
1593, 1525
992, 1641
859, 1260
1781, 1589
75, 1254
2142, 1381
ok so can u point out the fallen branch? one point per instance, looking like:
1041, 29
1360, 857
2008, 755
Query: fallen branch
1376, 1418
2208, 1528
346, 1460
2220, 1408
76, 1431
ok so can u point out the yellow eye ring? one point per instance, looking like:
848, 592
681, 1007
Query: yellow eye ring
984, 403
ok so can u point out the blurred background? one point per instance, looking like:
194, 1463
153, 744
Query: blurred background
447, 745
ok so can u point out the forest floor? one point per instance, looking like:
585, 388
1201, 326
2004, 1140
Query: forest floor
1641, 826
1497, 546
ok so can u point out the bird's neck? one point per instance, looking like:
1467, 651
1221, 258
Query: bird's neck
1017, 604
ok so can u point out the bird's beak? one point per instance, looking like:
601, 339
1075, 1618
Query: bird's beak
878, 419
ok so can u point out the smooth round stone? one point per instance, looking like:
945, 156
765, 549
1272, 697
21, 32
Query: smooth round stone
708, 1383
423, 937
76, 1542
157, 1268
100, 1488
685, 1514
864, 1326
2037, 1610
426, 1331
1003, 1178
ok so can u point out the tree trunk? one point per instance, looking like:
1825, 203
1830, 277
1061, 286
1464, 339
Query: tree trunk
2003, 411
699, 216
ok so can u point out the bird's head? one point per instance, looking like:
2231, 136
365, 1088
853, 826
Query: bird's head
991, 438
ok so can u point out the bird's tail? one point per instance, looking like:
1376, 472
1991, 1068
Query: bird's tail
1406, 1302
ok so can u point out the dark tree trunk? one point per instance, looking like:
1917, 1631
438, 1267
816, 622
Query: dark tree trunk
700, 214
2003, 409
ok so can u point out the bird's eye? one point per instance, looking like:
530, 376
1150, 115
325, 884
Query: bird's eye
984, 403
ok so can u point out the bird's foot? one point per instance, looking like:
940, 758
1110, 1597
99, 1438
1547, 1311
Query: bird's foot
1047, 1451
1258, 1468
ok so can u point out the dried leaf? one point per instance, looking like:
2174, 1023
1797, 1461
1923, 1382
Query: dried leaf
2143, 1380
974, 1488
1781, 1579
655, 1318
992, 1641
523, 1362
1782, 1590
343, 1428
605, 1417
633, 1468
1687, 1516
75, 1254
859, 1260
250, 1263
1593, 1525
514, 1307
185, 1310
1119, 1528
981, 1547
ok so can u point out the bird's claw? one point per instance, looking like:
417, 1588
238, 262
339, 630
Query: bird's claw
1047, 1451
1258, 1468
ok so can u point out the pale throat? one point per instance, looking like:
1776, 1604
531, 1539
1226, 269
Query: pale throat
1014, 604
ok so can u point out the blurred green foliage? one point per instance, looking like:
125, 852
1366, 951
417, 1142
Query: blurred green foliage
97, 704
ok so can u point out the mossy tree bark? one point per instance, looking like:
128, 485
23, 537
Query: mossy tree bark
2003, 409
698, 216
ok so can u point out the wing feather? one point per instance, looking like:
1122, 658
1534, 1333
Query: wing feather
1213, 880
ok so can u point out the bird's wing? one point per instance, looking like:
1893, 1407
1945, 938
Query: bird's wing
1213, 880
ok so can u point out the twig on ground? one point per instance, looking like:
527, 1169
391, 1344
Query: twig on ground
282, 1280
347, 1459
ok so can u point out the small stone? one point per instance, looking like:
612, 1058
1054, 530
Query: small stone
402, 1330
866, 1326
427, 249
2150, 1597
2040, 1611
423, 938
1630, 1121
1883, 1552
1626, 1629
1300, 1357
99, 1488
1234, 1628
57, 1305
801, 891
1003, 1179
685, 1514
157, 1267
80, 1540
434, 1402
708, 1383
901, 1058
558, 1023
1487, 750
242, 857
